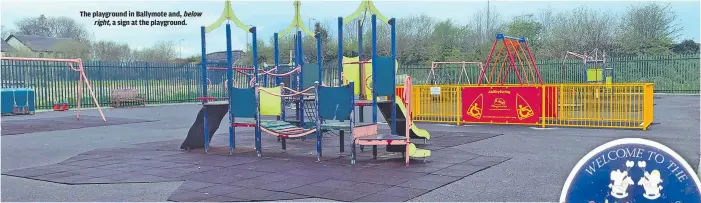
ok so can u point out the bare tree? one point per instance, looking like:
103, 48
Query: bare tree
110, 50
59, 27
160, 52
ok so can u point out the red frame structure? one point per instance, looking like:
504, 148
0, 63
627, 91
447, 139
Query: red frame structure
515, 49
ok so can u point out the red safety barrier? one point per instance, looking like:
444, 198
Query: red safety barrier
551, 101
502, 104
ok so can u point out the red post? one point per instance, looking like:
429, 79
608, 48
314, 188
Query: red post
530, 56
494, 45
511, 63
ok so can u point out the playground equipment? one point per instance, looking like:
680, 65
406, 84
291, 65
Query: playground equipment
381, 67
435, 79
513, 49
75, 65
594, 67
227, 14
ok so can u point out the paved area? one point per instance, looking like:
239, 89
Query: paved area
535, 161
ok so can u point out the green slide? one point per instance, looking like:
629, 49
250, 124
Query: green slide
415, 132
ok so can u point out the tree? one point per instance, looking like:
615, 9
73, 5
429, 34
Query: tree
110, 51
525, 26
648, 29
579, 30
160, 52
5, 32
686, 47
59, 27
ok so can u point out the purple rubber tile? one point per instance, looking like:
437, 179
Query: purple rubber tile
53, 176
142, 178
15, 127
282, 196
338, 184
166, 173
97, 172
91, 163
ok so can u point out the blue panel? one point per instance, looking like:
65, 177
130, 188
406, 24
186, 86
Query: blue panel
310, 74
384, 68
7, 100
335, 103
244, 106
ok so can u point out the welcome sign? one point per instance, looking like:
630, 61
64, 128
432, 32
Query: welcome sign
632, 170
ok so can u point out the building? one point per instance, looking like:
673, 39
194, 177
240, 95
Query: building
5, 48
40, 46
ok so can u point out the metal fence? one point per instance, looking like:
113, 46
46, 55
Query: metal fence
177, 83
568, 105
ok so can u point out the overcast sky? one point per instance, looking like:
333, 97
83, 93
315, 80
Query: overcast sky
273, 16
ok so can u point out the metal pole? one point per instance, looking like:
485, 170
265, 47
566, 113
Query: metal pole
203, 64
255, 71
374, 66
393, 39
229, 87
340, 51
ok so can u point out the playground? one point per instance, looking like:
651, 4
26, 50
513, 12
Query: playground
468, 162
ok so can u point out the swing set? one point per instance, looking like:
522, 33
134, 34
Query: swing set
512, 49
438, 79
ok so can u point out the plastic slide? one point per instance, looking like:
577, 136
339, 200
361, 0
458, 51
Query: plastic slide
415, 132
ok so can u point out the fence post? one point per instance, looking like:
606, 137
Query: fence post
100, 80
458, 98
148, 90
648, 104
542, 107
187, 80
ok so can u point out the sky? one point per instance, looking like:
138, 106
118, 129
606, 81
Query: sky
273, 16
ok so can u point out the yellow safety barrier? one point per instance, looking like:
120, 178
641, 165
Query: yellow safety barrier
568, 105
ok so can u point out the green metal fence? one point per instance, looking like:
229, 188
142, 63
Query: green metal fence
177, 83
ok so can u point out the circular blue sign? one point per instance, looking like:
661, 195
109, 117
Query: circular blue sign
632, 170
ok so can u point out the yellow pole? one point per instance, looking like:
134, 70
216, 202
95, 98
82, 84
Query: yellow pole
542, 111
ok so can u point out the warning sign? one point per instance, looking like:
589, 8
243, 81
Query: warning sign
501, 104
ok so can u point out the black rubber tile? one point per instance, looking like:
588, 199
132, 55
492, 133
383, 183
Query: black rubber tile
189, 196
311, 190
460, 172
285, 185
439, 178
429, 167
96, 181
41, 170
486, 161
282, 196
123, 167
143, 178
403, 192
194, 185
166, 173
97, 172
344, 195
219, 189
260, 180
223, 198
72, 179
14, 127
252, 194
421, 184
338, 184
368, 187
382, 198
53, 176
90, 163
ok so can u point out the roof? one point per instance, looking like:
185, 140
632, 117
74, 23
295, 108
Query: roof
5, 47
39, 43
220, 56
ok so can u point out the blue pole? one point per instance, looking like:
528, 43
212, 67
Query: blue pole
374, 57
276, 53
393, 41
255, 70
340, 50
203, 63
319, 57
230, 88
361, 81
277, 56
300, 62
